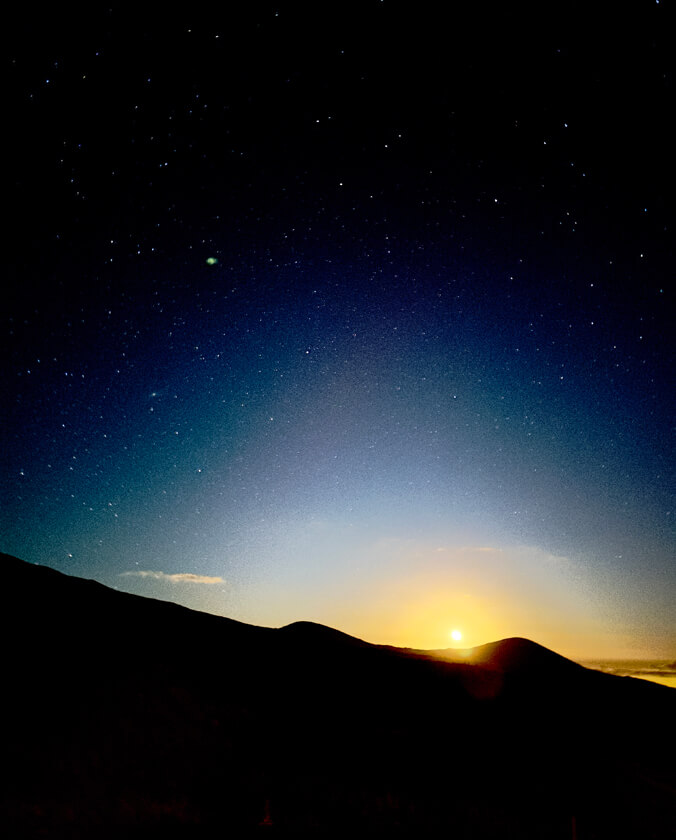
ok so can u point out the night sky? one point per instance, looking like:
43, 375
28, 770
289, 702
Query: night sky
355, 313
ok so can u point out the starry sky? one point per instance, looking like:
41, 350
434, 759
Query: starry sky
349, 312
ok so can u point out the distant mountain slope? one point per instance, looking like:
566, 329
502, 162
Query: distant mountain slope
516, 654
319, 634
507, 655
40, 590
121, 712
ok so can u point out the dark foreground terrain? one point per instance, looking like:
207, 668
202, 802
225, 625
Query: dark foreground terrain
125, 716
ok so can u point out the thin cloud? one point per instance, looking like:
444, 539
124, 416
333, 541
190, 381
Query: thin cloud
180, 577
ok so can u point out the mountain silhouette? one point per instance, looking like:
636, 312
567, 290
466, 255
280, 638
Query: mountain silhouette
507, 655
128, 715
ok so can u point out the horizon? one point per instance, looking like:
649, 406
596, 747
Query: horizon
660, 670
663, 670
360, 315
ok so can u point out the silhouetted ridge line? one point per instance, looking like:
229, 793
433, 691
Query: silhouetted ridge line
320, 633
519, 654
125, 712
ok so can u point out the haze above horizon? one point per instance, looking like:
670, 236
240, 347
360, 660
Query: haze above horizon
354, 315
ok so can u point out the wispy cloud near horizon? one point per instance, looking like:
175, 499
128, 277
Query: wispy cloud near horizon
180, 577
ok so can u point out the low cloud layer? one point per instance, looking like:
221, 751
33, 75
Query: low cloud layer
181, 577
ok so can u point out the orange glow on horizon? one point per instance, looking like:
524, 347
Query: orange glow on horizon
415, 595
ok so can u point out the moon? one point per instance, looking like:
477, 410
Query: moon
456, 635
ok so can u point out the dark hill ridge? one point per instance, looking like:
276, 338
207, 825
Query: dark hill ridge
517, 654
122, 712
507, 655
315, 634
40, 588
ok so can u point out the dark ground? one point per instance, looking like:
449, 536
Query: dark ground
124, 715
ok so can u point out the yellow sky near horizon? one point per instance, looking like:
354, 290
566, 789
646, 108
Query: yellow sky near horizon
411, 593
485, 593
